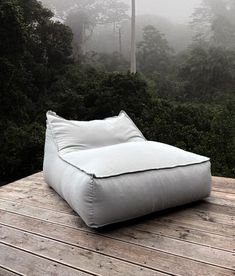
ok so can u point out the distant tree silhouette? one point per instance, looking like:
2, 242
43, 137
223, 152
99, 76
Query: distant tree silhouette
153, 51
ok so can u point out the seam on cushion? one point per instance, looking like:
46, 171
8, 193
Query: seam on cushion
52, 129
154, 169
123, 112
87, 173
52, 134
58, 152
92, 202
133, 172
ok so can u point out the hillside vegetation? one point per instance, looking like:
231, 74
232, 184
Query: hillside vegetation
185, 99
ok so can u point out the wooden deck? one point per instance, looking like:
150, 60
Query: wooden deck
41, 235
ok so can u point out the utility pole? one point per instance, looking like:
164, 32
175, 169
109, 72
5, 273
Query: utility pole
120, 40
133, 38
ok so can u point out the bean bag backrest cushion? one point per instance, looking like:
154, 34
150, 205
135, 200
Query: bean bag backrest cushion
81, 135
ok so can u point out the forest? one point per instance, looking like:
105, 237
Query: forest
52, 58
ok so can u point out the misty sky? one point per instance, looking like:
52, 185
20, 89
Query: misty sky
174, 10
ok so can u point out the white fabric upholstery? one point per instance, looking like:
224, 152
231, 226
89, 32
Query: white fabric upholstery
82, 135
131, 157
112, 183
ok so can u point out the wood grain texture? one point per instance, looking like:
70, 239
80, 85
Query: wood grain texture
170, 229
70, 255
5, 272
39, 231
226, 185
29, 264
111, 245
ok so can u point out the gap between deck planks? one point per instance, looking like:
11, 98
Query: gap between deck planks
170, 229
109, 247
160, 228
71, 255
6, 272
30, 264
185, 216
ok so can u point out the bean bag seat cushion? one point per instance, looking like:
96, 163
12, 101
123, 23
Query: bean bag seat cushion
108, 172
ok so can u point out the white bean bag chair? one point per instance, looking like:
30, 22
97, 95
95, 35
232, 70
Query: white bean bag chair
108, 172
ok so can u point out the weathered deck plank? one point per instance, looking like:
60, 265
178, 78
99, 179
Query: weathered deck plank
169, 229
5, 272
30, 264
71, 255
38, 226
226, 185
121, 248
49, 201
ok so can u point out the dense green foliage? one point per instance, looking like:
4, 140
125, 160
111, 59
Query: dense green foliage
34, 53
185, 100
153, 52
208, 72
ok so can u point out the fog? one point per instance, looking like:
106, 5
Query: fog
178, 11
104, 25
171, 17
174, 10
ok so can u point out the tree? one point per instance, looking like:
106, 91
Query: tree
153, 52
97, 94
11, 22
86, 15
82, 27
214, 22
34, 52
113, 62
208, 71
82, 16
102, 11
